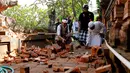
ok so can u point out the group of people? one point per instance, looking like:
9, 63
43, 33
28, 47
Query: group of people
84, 29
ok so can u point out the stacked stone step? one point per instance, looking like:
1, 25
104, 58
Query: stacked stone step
118, 11
118, 15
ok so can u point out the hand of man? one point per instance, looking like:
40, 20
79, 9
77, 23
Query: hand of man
63, 40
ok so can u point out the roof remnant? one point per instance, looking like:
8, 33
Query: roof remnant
4, 4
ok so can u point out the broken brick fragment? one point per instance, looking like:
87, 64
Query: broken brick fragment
55, 69
103, 69
75, 70
99, 62
61, 69
18, 60
85, 58
33, 54
83, 67
53, 56
64, 55
45, 71
25, 60
24, 55
96, 50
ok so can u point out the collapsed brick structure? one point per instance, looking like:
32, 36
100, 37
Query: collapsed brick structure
6, 35
57, 60
116, 17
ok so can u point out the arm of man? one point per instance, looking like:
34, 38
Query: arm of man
102, 33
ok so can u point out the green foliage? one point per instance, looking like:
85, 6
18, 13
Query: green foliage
28, 17
32, 17
99, 7
98, 3
64, 7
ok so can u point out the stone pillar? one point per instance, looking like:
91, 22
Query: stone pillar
117, 21
124, 32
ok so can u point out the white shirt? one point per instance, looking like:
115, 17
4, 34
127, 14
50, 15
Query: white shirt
59, 30
75, 27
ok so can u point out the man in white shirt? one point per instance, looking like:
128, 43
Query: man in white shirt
75, 29
63, 36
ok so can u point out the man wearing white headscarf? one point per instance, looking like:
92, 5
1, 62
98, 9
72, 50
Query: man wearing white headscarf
94, 31
63, 36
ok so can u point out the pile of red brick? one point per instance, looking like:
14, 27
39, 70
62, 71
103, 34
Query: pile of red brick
90, 63
36, 54
96, 61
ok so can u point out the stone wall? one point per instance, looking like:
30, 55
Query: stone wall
118, 16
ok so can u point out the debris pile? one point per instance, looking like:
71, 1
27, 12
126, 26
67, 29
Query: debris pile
34, 54
90, 62
96, 60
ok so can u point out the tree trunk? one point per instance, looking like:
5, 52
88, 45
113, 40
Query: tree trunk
51, 21
73, 8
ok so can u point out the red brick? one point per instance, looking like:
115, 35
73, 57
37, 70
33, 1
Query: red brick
25, 60
85, 58
18, 60
103, 69
53, 56
24, 55
61, 69
76, 70
33, 54
45, 71
49, 52
55, 69
83, 67
122, 36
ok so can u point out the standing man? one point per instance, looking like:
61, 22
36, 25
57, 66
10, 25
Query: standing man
57, 23
75, 28
69, 23
84, 19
